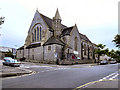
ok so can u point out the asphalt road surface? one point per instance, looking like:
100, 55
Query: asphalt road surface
62, 77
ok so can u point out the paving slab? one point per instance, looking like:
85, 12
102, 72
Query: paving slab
8, 71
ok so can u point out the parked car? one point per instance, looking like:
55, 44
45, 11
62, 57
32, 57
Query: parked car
7, 58
113, 62
103, 62
12, 62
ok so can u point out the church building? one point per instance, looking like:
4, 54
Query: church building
49, 41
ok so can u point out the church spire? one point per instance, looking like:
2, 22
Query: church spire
56, 24
57, 15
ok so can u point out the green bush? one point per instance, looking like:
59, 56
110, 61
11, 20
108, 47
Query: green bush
9, 54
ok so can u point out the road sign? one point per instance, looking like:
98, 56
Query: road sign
14, 51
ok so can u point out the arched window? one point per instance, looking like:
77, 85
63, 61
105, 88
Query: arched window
76, 45
84, 49
90, 51
37, 33
32, 37
40, 33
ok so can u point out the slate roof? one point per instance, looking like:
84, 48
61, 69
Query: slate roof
49, 21
21, 48
67, 31
84, 37
54, 40
33, 45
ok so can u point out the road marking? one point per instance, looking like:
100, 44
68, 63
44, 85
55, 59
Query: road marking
114, 77
112, 74
89, 83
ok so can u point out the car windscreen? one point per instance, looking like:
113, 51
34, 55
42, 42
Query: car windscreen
9, 58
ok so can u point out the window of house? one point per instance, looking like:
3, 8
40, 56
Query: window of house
91, 51
49, 48
37, 34
84, 49
76, 45
40, 33
32, 37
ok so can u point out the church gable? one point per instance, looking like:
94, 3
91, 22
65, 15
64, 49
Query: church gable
39, 30
75, 39
38, 20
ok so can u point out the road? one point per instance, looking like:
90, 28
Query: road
62, 77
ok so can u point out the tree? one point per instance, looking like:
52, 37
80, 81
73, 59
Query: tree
118, 55
113, 54
106, 51
101, 50
117, 40
9, 54
2, 20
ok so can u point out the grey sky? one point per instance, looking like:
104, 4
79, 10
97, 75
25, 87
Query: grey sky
98, 19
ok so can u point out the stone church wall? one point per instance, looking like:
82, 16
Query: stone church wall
20, 54
49, 54
74, 34
26, 53
38, 53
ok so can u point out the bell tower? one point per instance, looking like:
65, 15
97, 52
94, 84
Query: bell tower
56, 24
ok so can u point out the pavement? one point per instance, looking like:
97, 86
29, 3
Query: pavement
61, 66
8, 71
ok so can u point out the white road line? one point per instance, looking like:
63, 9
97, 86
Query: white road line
42, 71
112, 74
114, 77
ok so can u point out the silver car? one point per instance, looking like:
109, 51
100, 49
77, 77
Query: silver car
7, 58
103, 62
113, 62
12, 62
